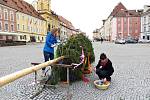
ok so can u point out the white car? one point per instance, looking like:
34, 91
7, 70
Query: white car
120, 41
143, 41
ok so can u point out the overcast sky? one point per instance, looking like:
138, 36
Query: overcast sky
87, 15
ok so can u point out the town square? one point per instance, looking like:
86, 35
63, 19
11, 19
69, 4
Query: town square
130, 80
74, 50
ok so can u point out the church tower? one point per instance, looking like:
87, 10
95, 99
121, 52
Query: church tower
44, 5
44, 9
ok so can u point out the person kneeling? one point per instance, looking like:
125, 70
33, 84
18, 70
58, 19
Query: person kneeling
104, 68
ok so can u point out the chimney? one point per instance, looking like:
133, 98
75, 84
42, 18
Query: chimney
103, 21
140, 11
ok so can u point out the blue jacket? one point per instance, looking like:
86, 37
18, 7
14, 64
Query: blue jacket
50, 40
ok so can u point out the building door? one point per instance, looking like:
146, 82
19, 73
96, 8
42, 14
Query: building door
49, 27
148, 37
9, 38
32, 39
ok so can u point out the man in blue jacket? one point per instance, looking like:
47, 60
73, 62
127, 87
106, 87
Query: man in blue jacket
50, 43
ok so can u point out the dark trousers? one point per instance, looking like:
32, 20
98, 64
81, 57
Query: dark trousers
103, 74
48, 56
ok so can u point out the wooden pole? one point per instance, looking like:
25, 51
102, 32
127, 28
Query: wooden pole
14, 76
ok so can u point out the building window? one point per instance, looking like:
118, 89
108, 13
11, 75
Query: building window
38, 38
9, 37
125, 25
148, 37
119, 19
125, 20
149, 28
23, 27
149, 18
130, 20
12, 27
18, 16
23, 18
130, 29
18, 26
28, 28
135, 19
144, 29
33, 29
119, 27
0, 13
25, 37
136, 31
21, 37
6, 26
49, 27
125, 29
1, 37
6, 14
145, 20
12, 16
64, 33
0, 26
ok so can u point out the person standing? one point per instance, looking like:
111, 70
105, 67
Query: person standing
50, 43
101, 40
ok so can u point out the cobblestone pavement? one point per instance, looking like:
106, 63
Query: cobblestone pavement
130, 81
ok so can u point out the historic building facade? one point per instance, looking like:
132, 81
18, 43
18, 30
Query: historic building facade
44, 9
30, 25
24, 20
7, 23
122, 23
145, 23
126, 23
53, 20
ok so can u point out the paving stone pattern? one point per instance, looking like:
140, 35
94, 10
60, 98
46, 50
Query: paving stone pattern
130, 81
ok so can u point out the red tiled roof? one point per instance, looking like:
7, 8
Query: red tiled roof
22, 6
68, 23
53, 13
129, 13
117, 8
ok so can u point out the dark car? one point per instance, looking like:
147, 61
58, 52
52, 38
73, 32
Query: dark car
131, 40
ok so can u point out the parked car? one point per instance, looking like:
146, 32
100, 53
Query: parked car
144, 41
120, 41
131, 40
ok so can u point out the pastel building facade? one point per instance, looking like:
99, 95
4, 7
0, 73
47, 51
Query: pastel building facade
24, 20
8, 29
122, 23
126, 23
145, 23
43, 7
